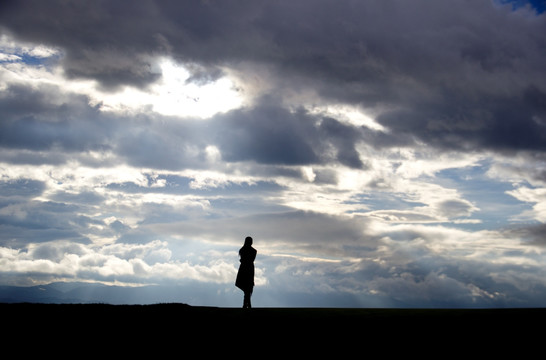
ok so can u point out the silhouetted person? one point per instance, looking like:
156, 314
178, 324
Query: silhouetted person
245, 275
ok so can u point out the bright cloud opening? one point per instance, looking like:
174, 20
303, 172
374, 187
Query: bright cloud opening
175, 95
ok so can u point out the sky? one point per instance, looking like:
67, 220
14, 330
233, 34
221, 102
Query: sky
380, 153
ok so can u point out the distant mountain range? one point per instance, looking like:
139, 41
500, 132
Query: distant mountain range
78, 292
188, 292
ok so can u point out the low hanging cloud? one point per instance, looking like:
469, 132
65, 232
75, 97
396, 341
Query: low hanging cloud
385, 153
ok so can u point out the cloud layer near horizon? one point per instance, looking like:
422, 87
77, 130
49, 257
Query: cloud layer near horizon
390, 152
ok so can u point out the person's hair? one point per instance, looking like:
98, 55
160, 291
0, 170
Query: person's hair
248, 241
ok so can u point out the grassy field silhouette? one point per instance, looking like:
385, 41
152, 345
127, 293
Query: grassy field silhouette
313, 330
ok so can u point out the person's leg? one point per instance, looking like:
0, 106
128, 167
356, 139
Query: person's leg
246, 300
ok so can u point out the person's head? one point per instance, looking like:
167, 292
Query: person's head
248, 241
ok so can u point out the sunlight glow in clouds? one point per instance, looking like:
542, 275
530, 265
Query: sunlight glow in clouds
173, 95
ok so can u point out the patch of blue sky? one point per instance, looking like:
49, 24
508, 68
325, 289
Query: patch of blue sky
538, 5
29, 60
33, 60
496, 206
29, 55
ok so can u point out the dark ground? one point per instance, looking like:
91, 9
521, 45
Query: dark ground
94, 329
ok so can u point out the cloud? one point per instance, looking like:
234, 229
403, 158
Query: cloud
380, 153
531, 234
120, 262
449, 82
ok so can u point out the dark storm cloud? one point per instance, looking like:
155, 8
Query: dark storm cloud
26, 188
502, 123
40, 119
270, 134
33, 221
343, 137
105, 41
462, 74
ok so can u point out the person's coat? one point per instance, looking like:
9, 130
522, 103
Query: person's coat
245, 275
